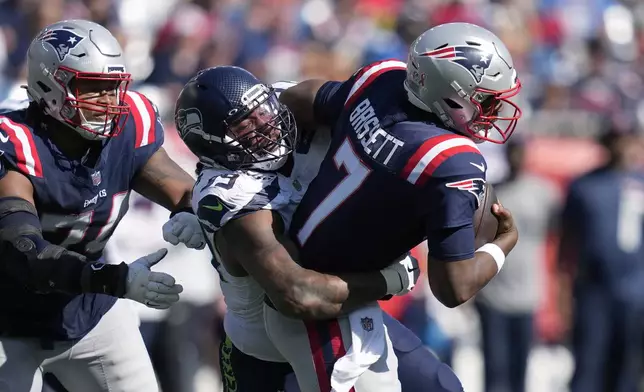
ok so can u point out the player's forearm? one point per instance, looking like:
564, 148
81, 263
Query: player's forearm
305, 294
164, 182
454, 283
300, 98
320, 296
30, 261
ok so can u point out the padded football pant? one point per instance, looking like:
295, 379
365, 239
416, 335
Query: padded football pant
314, 347
418, 368
406, 359
112, 357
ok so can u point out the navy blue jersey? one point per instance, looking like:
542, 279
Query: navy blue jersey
79, 208
392, 177
603, 218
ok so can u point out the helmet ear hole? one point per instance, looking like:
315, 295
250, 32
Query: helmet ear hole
452, 104
45, 89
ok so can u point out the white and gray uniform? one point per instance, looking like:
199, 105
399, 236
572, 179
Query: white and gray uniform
241, 193
244, 191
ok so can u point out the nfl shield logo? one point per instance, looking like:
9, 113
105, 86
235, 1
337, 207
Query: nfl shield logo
367, 323
96, 178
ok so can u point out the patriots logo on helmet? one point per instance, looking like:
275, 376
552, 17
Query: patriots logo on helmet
62, 41
475, 186
472, 58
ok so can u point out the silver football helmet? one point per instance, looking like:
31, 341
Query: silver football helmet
76, 72
464, 74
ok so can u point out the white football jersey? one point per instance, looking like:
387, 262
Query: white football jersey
222, 195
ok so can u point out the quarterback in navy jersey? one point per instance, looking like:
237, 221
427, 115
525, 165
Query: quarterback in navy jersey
68, 163
253, 172
403, 167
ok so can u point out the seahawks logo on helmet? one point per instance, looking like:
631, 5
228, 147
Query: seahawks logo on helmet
472, 58
62, 41
189, 120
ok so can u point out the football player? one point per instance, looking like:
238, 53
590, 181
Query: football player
403, 166
251, 171
68, 164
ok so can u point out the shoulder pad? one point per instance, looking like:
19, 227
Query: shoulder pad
368, 74
444, 155
280, 86
19, 147
221, 195
145, 115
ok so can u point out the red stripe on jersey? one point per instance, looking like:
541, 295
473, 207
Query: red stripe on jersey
144, 117
370, 73
442, 157
20, 136
152, 114
424, 148
433, 153
136, 115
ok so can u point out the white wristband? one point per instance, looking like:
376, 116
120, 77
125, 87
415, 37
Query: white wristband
496, 253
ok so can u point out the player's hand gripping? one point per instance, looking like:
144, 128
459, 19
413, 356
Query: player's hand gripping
184, 228
401, 275
507, 234
153, 289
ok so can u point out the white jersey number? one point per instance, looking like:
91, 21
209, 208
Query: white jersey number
78, 224
357, 172
629, 220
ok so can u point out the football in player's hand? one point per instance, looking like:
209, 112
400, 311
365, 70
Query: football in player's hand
485, 223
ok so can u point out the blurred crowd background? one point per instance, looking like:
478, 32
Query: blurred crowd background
570, 295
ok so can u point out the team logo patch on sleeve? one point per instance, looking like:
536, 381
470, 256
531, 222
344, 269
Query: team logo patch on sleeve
475, 186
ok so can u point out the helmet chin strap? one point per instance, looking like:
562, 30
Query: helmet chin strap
97, 128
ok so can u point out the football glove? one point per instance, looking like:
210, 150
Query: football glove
401, 275
153, 289
184, 228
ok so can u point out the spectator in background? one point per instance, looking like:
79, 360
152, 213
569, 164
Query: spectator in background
507, 305
601, 265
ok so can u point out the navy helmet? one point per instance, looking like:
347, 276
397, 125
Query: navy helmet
227, 117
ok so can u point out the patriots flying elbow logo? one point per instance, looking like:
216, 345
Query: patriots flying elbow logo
62, 41
472, 58
475, 186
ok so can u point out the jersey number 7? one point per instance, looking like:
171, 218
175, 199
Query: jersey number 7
357, 173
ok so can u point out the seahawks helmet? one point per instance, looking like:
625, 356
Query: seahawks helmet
464, 74
73, 53
227, 117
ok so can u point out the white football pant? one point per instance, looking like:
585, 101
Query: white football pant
112, 357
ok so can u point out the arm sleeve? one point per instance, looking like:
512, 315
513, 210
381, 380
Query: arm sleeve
31, 261
454, 193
